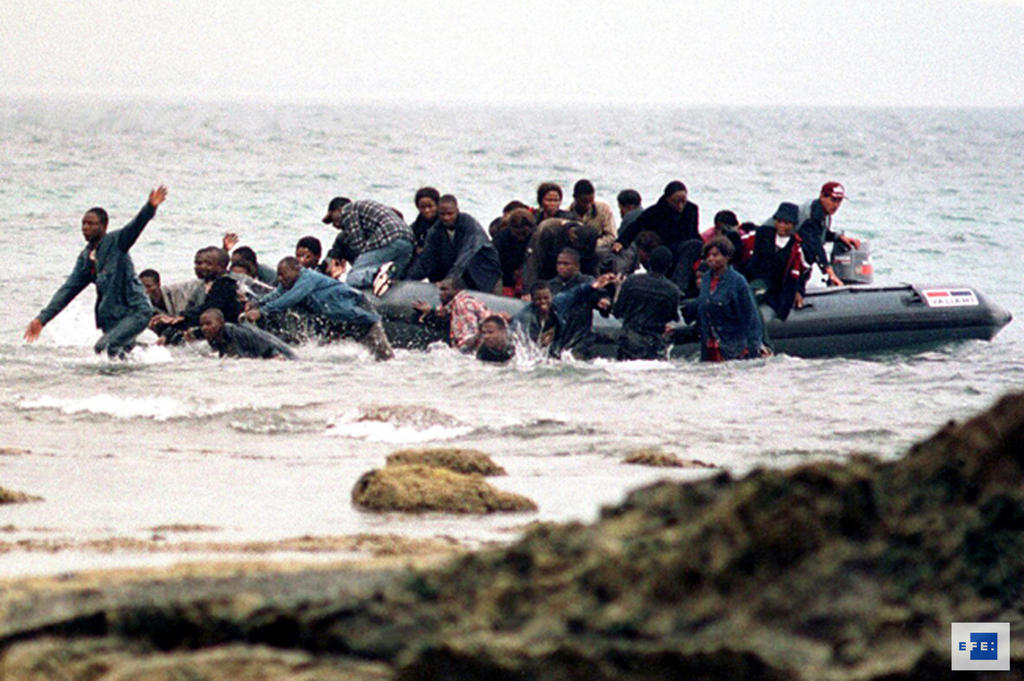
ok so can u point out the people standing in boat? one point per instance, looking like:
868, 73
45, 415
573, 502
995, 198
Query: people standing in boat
587, 209
240, 340
537, 324
495, 344
674, 218
815, 228
372, 237
778, 271
459, 311
307, 291
549, 202
725, 311
122, 309
647, 304
458, 248
511, 242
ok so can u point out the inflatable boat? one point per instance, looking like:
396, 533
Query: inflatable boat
840, 321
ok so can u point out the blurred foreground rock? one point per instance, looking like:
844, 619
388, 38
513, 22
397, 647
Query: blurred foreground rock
8, 496
825, 572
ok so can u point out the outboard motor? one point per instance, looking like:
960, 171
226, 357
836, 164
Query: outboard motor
853, 265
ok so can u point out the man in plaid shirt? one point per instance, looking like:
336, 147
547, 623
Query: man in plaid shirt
460, 310
373, 237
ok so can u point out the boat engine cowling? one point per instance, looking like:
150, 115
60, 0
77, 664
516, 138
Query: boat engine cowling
853, 265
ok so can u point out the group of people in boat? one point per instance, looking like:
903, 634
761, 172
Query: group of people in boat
648, 270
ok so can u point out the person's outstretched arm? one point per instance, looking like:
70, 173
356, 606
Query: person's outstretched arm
129, 234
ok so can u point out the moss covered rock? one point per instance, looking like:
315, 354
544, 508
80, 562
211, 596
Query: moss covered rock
415, 488
458, 460
8, 496
658, 458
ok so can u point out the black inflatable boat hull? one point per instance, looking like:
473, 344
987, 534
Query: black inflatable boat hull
844, 321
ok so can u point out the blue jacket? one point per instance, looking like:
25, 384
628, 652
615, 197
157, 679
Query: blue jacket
728, 314
319, 294
119, 292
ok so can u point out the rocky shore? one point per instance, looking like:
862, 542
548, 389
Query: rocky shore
826, 572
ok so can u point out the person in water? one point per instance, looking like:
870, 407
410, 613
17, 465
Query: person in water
537, 323
264, 274
647, 304
240, 340
122, 309
371, 236
725, 311
308, 291
459, 311
778, 272
221, 292
495, 345
458, 248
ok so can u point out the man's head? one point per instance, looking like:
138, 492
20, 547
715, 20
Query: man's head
94, 225
629, 200
567, 264
494, 332
151, 283
243, 266
211, 262
583, 193
448, 210
426, 199
211, 323
660, 260
288, 271
447, 289
646, 242
333, 216
725, 221
520, 224
308, 250
676, 195
540, 297
513, 205
786, 216
832, 195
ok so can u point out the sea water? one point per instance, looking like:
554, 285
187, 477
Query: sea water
261, 451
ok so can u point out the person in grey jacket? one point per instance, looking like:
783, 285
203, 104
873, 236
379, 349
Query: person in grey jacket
122, 307
240, 340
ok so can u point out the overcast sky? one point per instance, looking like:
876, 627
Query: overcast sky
707, 52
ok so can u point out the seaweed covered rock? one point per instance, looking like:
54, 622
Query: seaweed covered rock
827, 571
458, 460
657, 458
415, 488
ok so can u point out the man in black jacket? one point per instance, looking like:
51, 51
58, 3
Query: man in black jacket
458, 248
647, 304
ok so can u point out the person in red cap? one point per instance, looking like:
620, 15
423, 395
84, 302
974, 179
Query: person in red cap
815, 228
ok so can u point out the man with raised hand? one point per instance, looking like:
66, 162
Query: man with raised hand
122, 308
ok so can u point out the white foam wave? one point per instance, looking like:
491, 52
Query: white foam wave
124, 407
353, 425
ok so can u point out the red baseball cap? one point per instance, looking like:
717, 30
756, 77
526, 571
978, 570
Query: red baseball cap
833, 190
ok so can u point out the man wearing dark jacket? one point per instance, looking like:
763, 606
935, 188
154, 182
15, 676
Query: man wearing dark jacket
778, 272
122, 307
815, 228
577, 311
240, 340
674, 218
647, 304
458, 248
